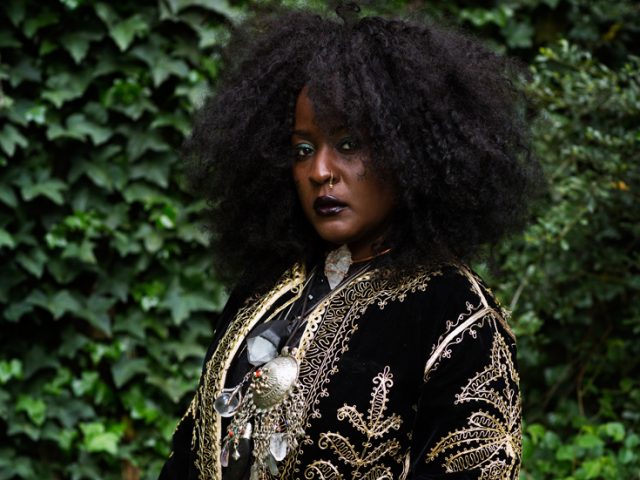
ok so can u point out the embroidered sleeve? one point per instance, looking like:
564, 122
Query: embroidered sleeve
468, 418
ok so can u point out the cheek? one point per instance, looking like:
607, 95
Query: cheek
303, 192
296, 180
297, 174
385, 201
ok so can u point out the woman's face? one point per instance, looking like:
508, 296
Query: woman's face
343, 200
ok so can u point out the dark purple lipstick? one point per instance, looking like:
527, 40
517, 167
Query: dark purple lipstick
326, 205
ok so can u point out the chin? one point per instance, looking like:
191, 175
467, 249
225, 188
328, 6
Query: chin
335, 238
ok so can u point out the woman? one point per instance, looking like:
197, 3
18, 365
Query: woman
351, 169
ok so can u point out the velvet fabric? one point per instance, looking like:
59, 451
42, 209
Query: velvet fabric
405, 376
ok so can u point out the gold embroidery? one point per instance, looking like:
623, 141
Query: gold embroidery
325, 338
489, 443
467, 322
455, 331
502, 313
207, 425
323, 470
373, 426
327, 335
406, 465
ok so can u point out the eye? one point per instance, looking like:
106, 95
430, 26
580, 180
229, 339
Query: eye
302, 150
348, 145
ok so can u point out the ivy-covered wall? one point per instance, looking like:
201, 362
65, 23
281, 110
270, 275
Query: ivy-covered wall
107, 298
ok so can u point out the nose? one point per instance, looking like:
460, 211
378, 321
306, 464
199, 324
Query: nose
322, 168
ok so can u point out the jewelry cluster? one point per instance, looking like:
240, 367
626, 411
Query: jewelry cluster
269, 414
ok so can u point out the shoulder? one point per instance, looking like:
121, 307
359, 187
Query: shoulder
446, 288
467, 320
471, 382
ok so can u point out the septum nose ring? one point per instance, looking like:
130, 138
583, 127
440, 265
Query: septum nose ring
330, 180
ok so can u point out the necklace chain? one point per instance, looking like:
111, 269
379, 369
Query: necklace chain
375, 255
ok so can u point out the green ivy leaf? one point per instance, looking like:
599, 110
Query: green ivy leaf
126, 368
10, 137
177, 121
145, 194
69, 411
221, 7
16, 310
72, 4
6, 240
35, 408
101, 173
143, 142
97, 439
12, 466
156, 170
123, 32
161, 65
58, 304
78, 43
173, 387
33, 24
63, 438
140, 406
51, 189
182, 303
15, 10
36, 114
25, 69
65, 86
79, 124
34, 262
85, 384
83, 251
9, 370
97, 312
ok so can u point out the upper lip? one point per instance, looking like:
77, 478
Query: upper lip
327, 201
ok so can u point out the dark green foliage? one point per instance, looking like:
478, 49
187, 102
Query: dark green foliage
106, 292
573, 279
106, 289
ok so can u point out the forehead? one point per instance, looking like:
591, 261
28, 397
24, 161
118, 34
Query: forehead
305, 114
306, 119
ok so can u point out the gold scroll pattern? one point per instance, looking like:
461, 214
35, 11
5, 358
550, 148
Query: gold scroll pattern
328, 333
490, 442
467, 323
366, 462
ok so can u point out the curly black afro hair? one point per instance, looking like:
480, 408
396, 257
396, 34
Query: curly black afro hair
439, 112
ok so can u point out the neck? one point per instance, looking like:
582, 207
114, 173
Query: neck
366, 251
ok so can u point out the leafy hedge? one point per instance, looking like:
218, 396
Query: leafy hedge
105, 289
573, 280
107, 296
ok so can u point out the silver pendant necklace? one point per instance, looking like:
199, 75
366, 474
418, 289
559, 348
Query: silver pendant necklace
270, 413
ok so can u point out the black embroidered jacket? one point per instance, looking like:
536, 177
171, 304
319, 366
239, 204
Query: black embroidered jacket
404, 377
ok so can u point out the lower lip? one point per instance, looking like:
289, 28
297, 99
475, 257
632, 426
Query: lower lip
328, 211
